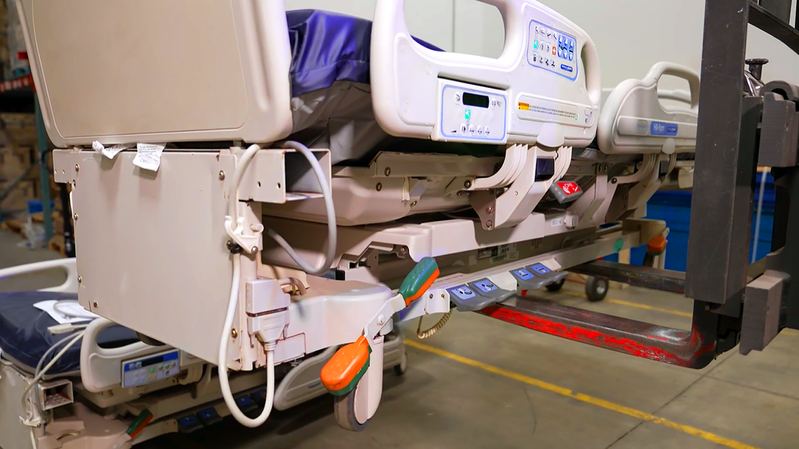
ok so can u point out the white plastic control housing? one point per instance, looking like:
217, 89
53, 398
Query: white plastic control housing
634, 121
551, 102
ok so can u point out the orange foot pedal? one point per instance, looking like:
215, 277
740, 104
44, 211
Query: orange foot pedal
343, 371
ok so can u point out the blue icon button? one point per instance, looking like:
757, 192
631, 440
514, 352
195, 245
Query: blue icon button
571, 56
523, 274
485, 286
462, 292
540, 268
571, 45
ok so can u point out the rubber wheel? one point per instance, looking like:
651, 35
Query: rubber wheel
400, 369
555, 286
596, 288
344, 410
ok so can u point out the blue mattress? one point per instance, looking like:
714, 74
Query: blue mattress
327, 47
25, 339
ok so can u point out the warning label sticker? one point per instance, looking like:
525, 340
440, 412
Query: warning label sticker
543, 110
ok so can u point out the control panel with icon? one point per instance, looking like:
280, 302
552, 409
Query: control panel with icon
472, 113
552, 50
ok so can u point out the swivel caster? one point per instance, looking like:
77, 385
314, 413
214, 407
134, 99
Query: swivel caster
400, 369
344, 411
555, 286
596, 288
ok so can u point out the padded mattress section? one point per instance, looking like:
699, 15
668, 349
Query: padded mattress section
330, 75
24, 336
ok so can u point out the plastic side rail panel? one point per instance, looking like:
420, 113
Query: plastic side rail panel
545, 87
155, 71
634, 121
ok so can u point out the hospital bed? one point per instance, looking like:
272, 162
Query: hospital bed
253, 186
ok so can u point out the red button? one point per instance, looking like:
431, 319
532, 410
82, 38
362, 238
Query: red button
569, 188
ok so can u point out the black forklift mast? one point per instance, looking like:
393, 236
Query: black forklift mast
743, 123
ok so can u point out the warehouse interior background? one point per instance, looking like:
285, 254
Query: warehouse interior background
483, 383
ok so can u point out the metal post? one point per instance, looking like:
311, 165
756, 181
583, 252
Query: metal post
721, 207
42, 147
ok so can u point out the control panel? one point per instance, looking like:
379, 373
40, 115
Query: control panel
472, 113
151, 368
552, 50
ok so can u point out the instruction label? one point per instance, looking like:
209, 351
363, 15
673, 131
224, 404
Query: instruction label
544, 110
148, 156
499, 253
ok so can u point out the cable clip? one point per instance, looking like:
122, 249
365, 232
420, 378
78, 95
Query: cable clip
248, 243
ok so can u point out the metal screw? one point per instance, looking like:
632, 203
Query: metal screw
442, 296
110, 393
254, 249
77, 167
489, 210
431, 296
614, 181
467, 184
403, 250
75, 216
221, 175
80, 279
414, 203
388, 171
381, 320
379, 186
490, 224
234, 333
94, 305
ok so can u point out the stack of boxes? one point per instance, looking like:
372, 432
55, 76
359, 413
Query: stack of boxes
18, 154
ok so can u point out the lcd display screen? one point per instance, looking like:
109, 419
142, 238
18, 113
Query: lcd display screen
480, 101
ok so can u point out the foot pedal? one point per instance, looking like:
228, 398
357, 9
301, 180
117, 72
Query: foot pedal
209, 416
536, 276
342, 372
189, 423
477, 295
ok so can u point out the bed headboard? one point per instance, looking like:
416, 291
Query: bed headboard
159, 71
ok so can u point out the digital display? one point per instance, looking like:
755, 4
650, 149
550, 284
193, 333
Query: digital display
480, 101
152, 361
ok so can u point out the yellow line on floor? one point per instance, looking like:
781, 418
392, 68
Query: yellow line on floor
612, 406
620, 302
634, 304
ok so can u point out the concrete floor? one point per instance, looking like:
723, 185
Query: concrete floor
482, 383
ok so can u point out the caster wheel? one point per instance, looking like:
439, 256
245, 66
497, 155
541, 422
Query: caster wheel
400, 369
344, 410
555, 286
596, 288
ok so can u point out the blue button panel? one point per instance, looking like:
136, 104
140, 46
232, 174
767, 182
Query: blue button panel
462, 292
188, 421
550, 49
485, 286
663, 129
540, 268
523, 274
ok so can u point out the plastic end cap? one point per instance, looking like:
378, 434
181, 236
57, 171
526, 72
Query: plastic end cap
348, 365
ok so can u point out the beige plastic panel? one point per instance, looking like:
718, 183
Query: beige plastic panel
122, 71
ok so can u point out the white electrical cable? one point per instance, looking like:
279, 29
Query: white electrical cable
224, 382
327, 194
46, 368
